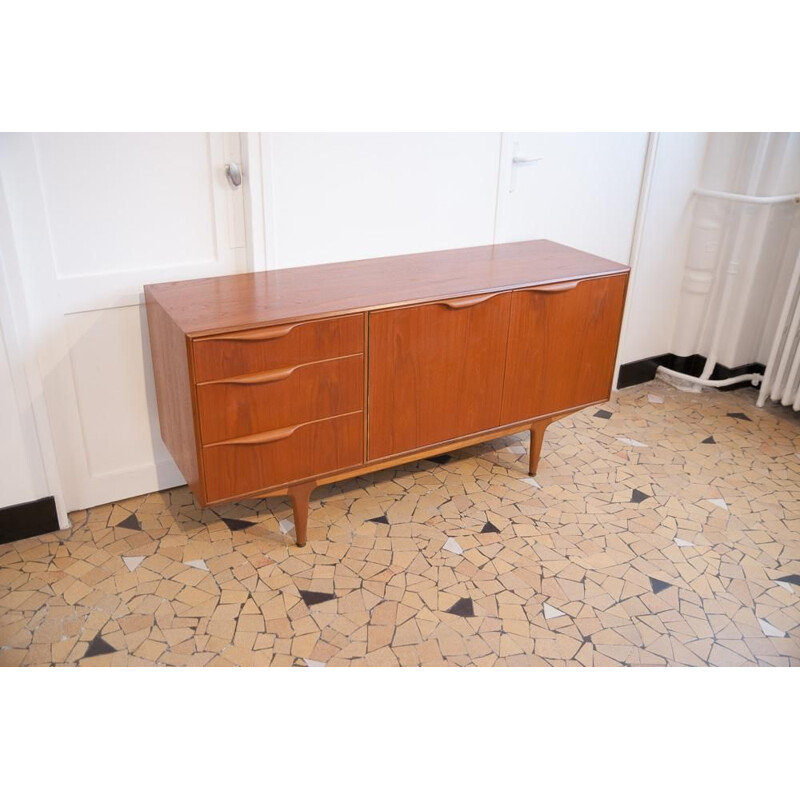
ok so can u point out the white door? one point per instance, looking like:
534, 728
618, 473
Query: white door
95, 217
578, 189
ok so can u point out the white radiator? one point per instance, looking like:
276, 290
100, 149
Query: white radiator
781, 381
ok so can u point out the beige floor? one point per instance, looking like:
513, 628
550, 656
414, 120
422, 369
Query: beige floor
641, 542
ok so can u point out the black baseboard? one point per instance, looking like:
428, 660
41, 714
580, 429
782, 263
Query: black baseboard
635, 372
28, 519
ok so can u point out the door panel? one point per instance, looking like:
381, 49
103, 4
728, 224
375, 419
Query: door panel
578, 189
435, 371
96, 216
562, 343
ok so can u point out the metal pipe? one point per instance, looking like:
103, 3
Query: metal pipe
780, 379
755, 377
772, 363
750, 198
790, 388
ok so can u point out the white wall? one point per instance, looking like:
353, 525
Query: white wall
655, 286
348, 196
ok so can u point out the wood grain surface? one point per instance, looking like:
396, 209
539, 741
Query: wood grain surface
435, 372
262, 349
561, 347
284, 295
266, 400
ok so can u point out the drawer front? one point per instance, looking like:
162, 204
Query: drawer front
281, 456
230, 354
264, 401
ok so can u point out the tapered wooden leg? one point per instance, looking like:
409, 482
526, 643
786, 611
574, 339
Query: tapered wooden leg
300, 495
537, 437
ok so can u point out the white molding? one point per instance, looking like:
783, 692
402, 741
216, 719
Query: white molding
253, 202
268, 201
642, 208
503, 186
259, 201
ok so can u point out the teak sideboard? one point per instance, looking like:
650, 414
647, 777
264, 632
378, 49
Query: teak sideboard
275, 382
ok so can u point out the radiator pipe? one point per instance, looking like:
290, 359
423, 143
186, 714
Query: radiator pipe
755, 377
770, 380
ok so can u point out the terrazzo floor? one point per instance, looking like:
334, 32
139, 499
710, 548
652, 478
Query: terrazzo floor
663, 528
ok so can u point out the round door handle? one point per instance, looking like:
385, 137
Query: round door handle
233, 172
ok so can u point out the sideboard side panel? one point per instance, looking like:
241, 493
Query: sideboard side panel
174, 388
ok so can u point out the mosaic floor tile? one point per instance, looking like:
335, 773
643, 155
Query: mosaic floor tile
770, 630
659, 586
313, 598
131, 522
98, 647
550, 612
621, 552
238, 524
462, 607
452, 546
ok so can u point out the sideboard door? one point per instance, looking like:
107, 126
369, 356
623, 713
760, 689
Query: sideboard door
562, 344
435, 371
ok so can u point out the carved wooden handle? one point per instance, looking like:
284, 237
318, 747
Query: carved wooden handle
260, 438
257, 378
466, 302
258, 335
552, 288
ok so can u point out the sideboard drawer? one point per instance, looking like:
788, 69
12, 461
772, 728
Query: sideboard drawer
242, 466
226, 355
263, 401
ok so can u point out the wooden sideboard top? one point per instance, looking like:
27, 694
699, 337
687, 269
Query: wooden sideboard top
254, 299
